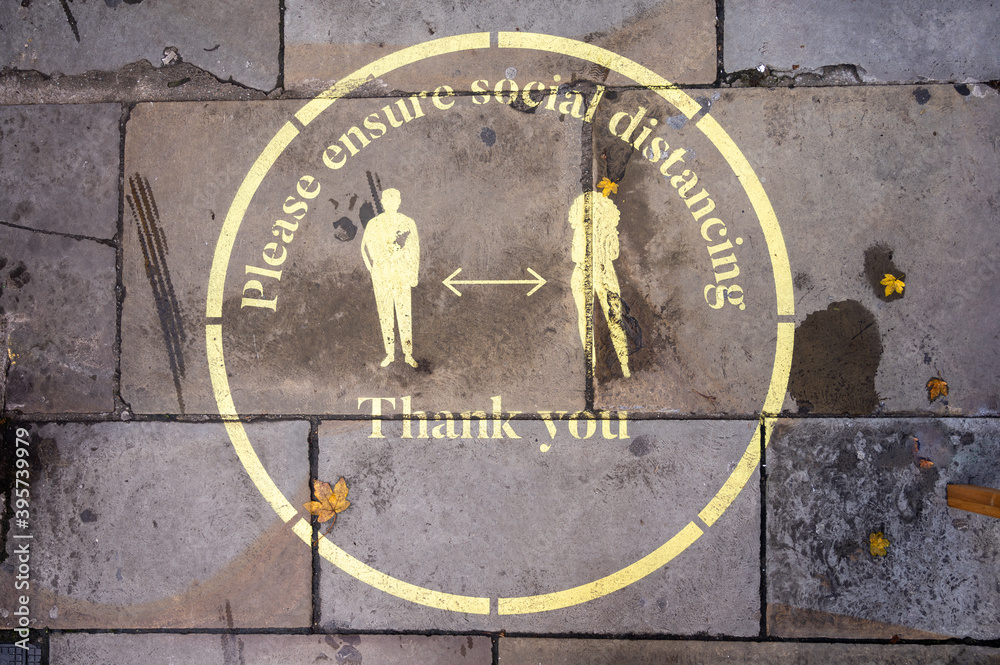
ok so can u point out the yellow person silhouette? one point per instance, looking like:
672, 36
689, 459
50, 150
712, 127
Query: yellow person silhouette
391, 252
603, 215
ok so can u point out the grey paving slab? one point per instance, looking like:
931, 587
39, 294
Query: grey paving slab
58, 310
157, 525
496, 521
541, 651
256, 649
693, 272
59, 168
832, 483
301, 329
71, 38
326, 42
876, 180
911, 42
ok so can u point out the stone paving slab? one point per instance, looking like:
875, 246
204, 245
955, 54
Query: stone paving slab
693, 267
71, 38
157, 525
301, 328
326, 42
253, 649
528, 651
912, 42
59, 355
485, 518
875, 180
59, 168
832, 483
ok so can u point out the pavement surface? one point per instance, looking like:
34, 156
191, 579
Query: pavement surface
512, 332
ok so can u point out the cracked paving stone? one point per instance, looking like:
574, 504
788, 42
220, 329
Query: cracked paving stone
157, 525
60, 355
832, 483
257, 649
234, 45
300, 324
486, 518
866, 181
60, 168
528, 651
326, 42
912, 42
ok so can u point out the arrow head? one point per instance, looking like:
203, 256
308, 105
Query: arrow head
447, 282
541, 281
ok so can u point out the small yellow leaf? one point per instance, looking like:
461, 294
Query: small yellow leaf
891, 283
924, 463
936, 387
607, 187
877, 544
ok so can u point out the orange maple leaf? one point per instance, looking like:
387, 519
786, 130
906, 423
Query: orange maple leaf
936, 387
331, 501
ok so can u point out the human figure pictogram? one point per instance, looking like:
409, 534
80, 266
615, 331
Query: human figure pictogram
603, 217
391, 252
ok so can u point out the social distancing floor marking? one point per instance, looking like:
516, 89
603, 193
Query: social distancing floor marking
676, 544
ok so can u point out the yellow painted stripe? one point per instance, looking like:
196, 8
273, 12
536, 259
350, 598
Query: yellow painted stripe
762, 206
581, 594
782, 368
224, 245
389, 584
248, 456
604, 58
735, 483
387, 64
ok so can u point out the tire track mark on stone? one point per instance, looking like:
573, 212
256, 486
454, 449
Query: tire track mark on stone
154, 251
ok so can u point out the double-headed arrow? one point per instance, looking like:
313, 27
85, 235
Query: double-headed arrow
450, 281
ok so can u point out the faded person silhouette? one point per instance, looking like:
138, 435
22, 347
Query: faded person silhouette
391, 252
604, 217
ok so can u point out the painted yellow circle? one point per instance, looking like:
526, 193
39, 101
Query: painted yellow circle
772, 402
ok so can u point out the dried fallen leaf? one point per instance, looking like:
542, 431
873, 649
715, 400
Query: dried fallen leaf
924, 463
331, 501
877, 544
892, 283
936, 387
607, 187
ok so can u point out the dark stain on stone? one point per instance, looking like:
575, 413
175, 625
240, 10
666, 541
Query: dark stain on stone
366, 214
962, 89
966, 439
154, 251
352, 201
836, 356
613, 157
641, 446
922, 95
878, 263
348, 655
344, 229
3, 262
802, 281
21, 210
19, 275
608, 365
488, 136
88, 516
